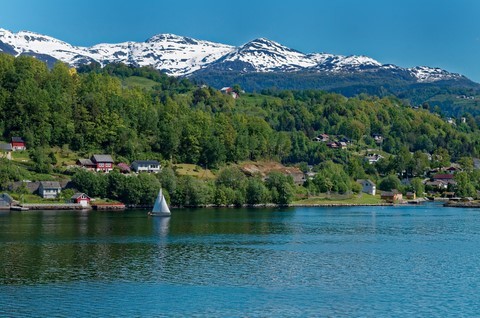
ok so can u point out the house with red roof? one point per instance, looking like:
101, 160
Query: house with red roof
18, 144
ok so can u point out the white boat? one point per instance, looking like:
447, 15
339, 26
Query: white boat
160, 208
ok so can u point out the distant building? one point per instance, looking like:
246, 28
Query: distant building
443, 177
81, 198
6, 151
373, 158
367, 186
322, 137
391, 196
452, 170
378, 138
6, 200
18, 144
103, 162
229, 91
49, 189
146, 166
411, 195
86, 164
97, 163
440, 185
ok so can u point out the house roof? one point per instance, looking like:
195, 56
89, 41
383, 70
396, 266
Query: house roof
50, 184
78, 195
389, 193
366, 180
17, 139
442, 176
436, 183
86, 162
102, 158
5, 147
146, 162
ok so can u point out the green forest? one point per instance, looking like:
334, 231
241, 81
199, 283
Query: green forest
139, 113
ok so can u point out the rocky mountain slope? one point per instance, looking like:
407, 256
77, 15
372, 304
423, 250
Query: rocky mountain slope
184, 56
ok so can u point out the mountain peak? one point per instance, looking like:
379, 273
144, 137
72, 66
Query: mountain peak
180, 56
169, 37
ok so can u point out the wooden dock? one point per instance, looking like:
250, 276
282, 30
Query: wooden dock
109, 206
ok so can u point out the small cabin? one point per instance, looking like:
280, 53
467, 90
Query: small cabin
81, 198
322, 137
391, 196
18, 144
373, 158
411, 196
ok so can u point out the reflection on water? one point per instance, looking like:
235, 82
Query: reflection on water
161, 225
375, 261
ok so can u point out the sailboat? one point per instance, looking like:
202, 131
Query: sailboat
160, 208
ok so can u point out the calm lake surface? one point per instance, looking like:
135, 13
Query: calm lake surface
293, 262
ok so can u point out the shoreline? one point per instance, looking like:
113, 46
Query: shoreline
467, 205
107, 208
121, 207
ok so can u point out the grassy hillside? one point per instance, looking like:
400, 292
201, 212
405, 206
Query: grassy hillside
140, 82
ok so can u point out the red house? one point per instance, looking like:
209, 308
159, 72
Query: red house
81, 198
97, 163
102, 162
18, 144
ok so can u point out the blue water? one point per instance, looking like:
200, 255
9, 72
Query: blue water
417, 261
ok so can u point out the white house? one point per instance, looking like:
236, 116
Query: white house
146, 166
49, 189
373, 158
367, 186
6, 151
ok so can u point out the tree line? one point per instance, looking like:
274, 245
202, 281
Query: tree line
90, 110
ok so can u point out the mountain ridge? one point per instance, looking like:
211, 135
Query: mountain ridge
185, 56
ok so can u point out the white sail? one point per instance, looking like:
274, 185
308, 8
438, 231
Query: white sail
164, 205
160, 207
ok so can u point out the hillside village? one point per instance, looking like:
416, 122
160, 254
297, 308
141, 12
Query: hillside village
119, 133
437, 183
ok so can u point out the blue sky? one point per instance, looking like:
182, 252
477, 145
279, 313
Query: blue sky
437, 33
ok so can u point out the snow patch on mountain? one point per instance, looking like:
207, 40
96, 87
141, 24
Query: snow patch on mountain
173, 54
425, 74
182, 56
264, 55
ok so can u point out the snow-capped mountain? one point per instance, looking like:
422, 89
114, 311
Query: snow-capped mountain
262, 55
175, 55
183, 56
